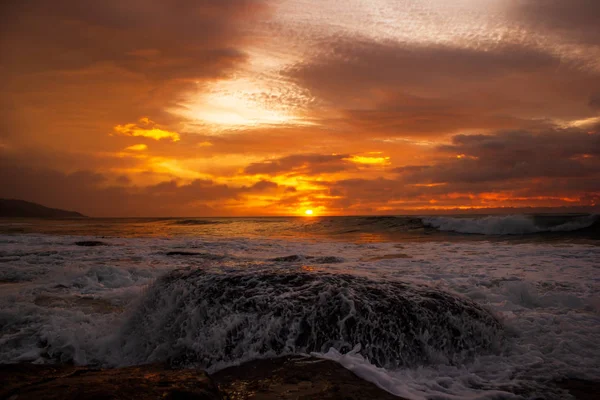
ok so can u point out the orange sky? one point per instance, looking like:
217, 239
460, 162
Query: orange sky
242, 107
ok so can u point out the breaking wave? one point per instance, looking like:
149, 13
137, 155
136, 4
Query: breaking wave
216, 319
195, 222
483, 225
512, 224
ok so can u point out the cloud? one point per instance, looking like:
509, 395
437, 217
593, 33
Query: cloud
503, 169
262, 186
578, 20
595, 101
476, 117
71, 71
410, 90
302, 164
515, 156
372, 158
97, 196
146, 128
137, 147
158, 38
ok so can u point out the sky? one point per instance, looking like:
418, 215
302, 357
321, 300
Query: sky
250, 107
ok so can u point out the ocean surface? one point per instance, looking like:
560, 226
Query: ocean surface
453, 307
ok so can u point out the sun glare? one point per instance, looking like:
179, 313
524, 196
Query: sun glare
308, 212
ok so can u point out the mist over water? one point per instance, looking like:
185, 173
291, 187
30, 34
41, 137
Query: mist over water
444, 307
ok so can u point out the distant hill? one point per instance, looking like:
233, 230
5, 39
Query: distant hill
23, 209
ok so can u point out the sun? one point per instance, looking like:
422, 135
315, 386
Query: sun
308, 212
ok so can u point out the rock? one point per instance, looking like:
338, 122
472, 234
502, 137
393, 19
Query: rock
223, 316
581, 389
90, 243
316, 260
292, 258
153, 381
285, 378
296, 377
282, 378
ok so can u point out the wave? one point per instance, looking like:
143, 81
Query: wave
511, 224
193, 222
372, 224
213, 320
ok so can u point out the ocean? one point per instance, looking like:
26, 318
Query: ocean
432, 307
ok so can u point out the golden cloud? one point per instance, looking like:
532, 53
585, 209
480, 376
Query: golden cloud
137, 147
373, 158
145, 127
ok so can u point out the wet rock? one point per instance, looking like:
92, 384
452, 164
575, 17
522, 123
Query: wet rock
223, 316
153, 381
328, 260
90, 243
316, 260
296, 378
292, 258
283, 378
581, 389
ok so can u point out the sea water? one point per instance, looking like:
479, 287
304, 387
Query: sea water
429, 307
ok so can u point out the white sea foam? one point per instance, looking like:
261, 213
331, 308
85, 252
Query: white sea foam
70, 303
505, 225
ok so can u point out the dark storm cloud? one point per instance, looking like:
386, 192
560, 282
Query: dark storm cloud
513, 156
409, 90
578, 20
310, 164
595, 101
161, 39
354, 65
263, 185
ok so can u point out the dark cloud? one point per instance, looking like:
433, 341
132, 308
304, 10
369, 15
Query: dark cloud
390, 88
595, 102
263, 185
514, 169
158, 38
578, 20
513, 156
302, 164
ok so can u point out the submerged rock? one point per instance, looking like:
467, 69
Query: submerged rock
90, 243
